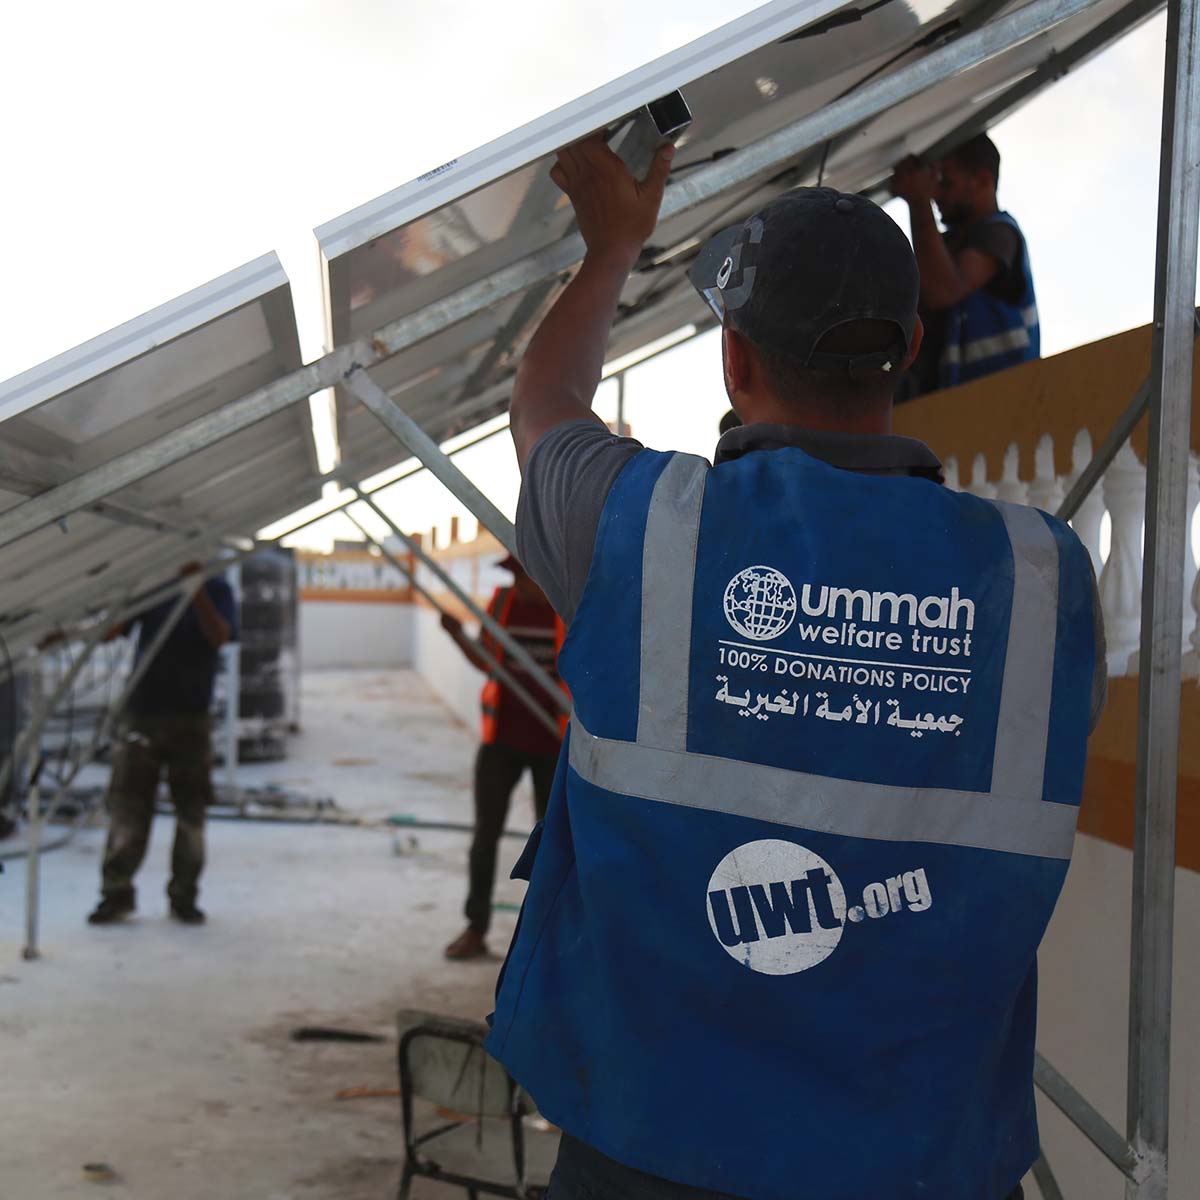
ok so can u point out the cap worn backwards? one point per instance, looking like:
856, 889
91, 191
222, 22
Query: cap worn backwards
811, 260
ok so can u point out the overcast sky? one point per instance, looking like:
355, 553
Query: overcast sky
151, 147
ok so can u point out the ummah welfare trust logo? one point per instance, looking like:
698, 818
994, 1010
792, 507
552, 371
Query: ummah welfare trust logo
760, 603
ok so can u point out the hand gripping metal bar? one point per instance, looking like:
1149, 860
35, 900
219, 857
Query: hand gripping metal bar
527, 661
495, 667
761, 159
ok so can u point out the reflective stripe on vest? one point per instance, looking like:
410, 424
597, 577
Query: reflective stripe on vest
756, 894
985, 334
1012, 817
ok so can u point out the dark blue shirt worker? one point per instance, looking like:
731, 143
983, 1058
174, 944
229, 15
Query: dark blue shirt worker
819, 791
166, 727
977, 298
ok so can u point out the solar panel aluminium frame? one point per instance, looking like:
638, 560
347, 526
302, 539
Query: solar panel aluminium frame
406, 250
122, 389
754, 162
1143, 1158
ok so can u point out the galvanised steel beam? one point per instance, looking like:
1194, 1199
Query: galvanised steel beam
205, 431
1056, 65
1167, 539
1085, 1117
759, 160
423, 447
1110, 447
495, 666
502, 635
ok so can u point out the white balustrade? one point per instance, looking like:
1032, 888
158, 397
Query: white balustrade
1121, 497
1121, 580
1191, 660
1090, 514
1191, 614
979, 485
1011, 487
1046, 490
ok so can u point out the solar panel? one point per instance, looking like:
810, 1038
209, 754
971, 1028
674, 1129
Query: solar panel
407, 251
770, 77
123, 390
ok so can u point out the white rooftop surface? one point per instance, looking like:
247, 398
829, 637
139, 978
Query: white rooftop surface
163, 1050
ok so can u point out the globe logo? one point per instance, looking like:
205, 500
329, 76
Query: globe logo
760, 603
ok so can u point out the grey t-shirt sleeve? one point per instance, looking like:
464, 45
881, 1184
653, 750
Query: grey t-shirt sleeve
997, 240
568, 476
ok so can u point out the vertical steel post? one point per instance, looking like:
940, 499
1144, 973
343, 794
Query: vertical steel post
621, 404
1162, 607
33, 865
33, 855
27, 741
233, 693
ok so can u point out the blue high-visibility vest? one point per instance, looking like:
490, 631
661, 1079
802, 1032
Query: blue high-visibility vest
985, 334
816, 808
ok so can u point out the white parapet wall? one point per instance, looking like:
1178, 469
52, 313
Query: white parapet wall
350, 633
444, 667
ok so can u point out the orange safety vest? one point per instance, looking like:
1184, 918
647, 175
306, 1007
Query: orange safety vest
500, 607
560, 636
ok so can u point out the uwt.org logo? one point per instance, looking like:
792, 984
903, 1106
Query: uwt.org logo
778, 908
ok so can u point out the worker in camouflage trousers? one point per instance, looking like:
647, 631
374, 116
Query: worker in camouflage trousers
166, 726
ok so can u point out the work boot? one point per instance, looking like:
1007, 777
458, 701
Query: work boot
110, 909
186, 912
468, 944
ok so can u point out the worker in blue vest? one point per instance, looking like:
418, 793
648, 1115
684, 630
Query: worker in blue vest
819, 792
977, 299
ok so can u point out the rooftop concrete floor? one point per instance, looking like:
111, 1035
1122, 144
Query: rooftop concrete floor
163, 1050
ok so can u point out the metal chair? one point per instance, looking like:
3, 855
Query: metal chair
492, 1146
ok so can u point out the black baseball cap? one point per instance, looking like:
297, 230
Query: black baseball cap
811, 260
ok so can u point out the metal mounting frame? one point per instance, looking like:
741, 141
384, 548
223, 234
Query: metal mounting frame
754, 163
495, 666
1142, 1153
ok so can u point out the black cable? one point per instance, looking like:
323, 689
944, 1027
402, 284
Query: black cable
850, 16
824, 160
715, 156
70, 732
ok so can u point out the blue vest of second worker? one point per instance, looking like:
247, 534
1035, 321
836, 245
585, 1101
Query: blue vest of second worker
817, 806
985, 333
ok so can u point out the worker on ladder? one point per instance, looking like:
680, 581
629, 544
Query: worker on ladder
513, 739
820, 787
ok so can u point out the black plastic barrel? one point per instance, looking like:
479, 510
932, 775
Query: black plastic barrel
268, 660
14, 716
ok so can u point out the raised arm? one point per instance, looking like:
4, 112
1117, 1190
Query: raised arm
215, 627
945, 278
454, 627
561, 367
